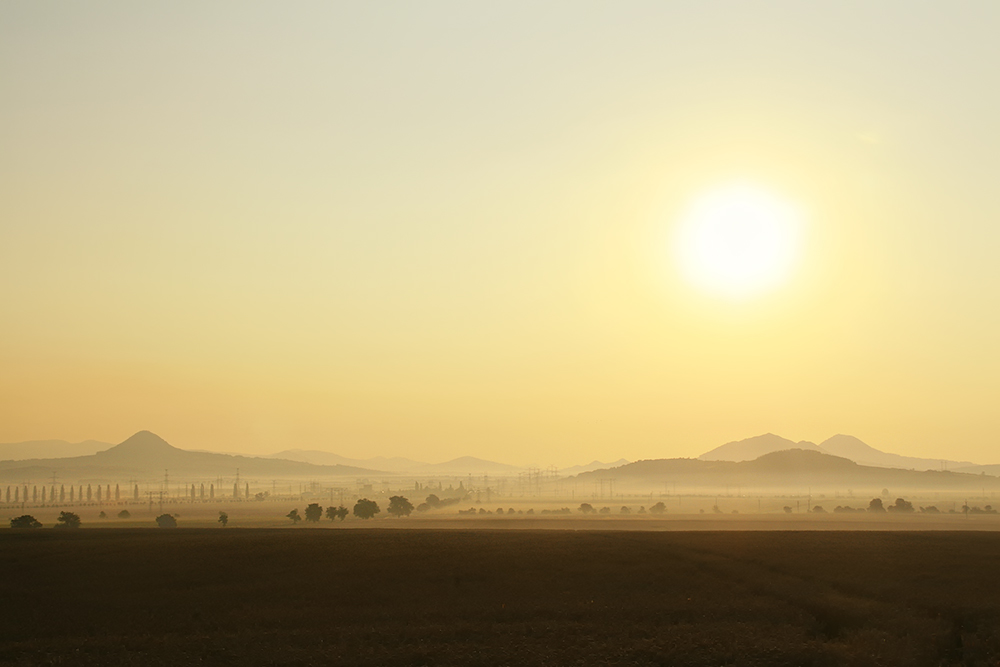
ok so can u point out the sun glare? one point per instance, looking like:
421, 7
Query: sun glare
738, 241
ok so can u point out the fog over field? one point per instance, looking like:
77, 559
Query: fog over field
500, 333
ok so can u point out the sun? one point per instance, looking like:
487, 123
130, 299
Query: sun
738, 241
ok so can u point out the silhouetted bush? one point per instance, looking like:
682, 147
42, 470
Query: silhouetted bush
314, 512
336, 513
586, 508
366, 509
624, 510
901, 506
166, 521
68, 520
819, 510
124, 514
876, 505
399, 506
294, 516
930, 509
605, 510
223, 519
25, 521
658, 508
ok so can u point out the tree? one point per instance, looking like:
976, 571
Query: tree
25, 521
166, 521
124, 514
135, 492
433, 500
366, 509
294, 516
223, 519
336, 512
876, 505
624, 510
314, 512
586, 508
658, 508
400, 506
102, 515
68, 520
901, 506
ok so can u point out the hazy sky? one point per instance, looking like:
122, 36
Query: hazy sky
435, 229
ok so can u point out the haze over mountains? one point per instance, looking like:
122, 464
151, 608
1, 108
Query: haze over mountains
49, 449
784, 471
398, 464
145, 454
846, 446
842, 461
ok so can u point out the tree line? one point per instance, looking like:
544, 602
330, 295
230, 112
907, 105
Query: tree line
364, 508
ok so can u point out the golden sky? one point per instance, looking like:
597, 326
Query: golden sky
439, 229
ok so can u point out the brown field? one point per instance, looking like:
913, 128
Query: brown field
308, 596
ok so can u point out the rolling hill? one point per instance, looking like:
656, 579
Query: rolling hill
49, 449
146, 455
846, 446
465, 465
792, 470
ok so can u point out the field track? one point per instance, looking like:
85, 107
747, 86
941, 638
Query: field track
482, 597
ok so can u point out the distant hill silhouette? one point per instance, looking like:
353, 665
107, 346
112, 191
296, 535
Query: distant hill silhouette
49, 449
593, 465
146, 455
791, 470
846, 446
464, 465
318, 457
850, 447
751, 448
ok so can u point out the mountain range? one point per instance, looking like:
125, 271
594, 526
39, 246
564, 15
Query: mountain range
462, 465
146, 454
846, 446
789, 470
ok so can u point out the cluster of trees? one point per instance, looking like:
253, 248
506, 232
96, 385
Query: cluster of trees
587, 508
72, 520
399, 506
433, 502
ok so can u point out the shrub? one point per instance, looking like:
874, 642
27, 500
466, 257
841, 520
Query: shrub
366, 509
400, 506
166, 521
25, 521
314, 512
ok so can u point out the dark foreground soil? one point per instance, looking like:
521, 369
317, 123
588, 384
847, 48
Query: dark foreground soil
380, 597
